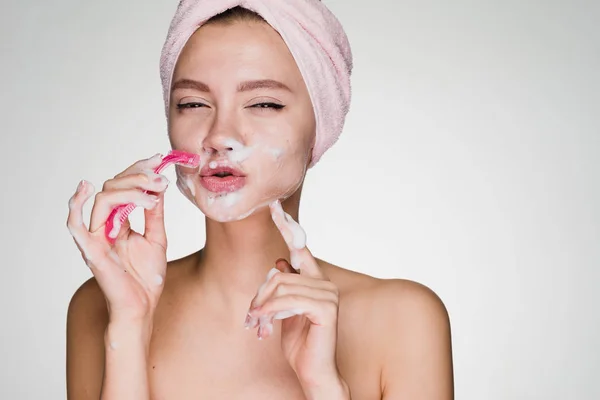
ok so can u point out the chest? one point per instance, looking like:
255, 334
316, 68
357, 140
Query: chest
223, 383
193, 365
213, 358
197, 364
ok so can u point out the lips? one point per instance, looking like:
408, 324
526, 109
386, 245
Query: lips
222, 179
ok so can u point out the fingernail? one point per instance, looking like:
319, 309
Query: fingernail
161, 179
250, 321
261, 332
80, 185
272, 272
269, 329
265, 329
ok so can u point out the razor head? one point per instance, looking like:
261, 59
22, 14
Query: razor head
120, 213
183, 158
179, 157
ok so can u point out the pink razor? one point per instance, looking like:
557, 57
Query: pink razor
120, 213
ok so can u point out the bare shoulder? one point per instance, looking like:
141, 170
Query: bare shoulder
87, 318
405, 326
87, 305
409, 300
398, 296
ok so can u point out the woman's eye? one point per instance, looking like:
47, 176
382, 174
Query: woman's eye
190, 105
268, 105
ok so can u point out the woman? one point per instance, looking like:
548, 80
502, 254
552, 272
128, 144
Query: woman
143, 328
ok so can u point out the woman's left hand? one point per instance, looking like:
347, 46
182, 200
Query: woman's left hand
307, 301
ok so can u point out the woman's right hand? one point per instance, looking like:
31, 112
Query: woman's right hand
131, 271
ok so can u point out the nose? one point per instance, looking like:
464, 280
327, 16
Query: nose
222, 138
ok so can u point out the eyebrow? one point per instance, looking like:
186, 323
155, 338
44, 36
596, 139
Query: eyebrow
261, 84
190, 84
242, 87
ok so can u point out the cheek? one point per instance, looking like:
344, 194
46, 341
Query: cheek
186, 133
186, 184
281, 166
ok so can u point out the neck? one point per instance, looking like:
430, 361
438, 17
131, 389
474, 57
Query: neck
238, 255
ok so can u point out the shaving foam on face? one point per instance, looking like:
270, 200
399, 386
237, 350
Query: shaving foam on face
224, 202
275, 152
253, 210
230, 199
239, 152
186, 186
190, 185
274, 169
235, 206
272, 148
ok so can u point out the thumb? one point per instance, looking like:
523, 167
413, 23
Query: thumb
154, 222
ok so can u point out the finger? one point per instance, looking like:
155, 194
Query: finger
154, 217
154, 224
281, 265
148, 164
292, 232
107, 201
75, 223
284, 266
144, 180
90, 251
295, 238
299, 290
319, 312
278, 284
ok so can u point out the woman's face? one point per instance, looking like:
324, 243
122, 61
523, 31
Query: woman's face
239, 100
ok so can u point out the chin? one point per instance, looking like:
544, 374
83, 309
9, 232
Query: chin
236, 205
234, 217
230, 207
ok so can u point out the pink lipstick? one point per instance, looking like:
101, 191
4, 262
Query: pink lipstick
222, 179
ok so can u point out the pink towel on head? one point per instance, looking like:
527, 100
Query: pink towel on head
315, 38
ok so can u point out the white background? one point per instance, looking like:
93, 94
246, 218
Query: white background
470, 162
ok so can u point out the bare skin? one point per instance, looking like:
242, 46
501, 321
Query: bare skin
181, 336
197, 352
